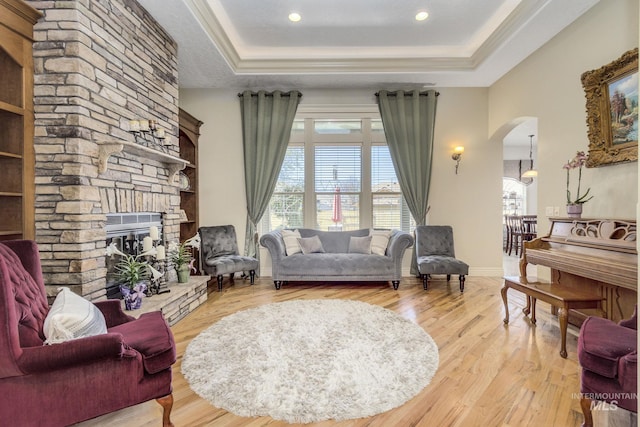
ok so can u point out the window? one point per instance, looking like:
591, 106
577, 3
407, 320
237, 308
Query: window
338, 186
389, 207
285, 207
337, 175
513, 197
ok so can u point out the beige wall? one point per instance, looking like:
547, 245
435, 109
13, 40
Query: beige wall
469, 201
546, 85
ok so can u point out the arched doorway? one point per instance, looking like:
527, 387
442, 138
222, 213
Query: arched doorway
519, 140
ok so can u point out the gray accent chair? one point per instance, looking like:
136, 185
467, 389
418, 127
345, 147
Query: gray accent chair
436, 255
219, 254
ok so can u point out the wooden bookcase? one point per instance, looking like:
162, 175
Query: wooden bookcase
189, 134
17, 167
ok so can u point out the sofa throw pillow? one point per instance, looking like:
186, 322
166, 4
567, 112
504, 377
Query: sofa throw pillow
71, 317
310, 245
379, 241
291, 244
360, 245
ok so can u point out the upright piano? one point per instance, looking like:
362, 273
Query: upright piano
597, 253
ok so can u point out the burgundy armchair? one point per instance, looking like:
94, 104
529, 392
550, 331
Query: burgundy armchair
73, 381
608, 355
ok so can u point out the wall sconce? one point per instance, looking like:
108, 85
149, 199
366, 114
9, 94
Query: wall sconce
457, 155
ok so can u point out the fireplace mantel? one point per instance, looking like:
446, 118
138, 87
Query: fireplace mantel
109, 148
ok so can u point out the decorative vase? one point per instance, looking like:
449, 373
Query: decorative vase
133, 297
574, 210
183, 273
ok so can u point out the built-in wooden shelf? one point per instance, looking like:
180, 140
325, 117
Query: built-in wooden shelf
188, 138
109, 148
17, 164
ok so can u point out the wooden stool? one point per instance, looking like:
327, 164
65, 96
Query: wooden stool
562, 297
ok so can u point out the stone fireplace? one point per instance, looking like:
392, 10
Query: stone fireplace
98, 65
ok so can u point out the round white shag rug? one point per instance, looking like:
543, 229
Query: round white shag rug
311, 360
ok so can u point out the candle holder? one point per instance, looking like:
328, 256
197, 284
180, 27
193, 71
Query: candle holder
148, 134
157, 259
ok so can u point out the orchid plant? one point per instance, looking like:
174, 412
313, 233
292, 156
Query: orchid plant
180, 254
577, 163
130, 269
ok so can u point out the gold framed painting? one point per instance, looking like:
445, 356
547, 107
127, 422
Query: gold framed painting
612, 111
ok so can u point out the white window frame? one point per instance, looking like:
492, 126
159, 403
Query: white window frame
309, 139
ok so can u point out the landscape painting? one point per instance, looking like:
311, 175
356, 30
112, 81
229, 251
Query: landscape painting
623, 99
611, 93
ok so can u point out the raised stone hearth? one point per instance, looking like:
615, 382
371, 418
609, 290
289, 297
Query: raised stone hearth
182, 300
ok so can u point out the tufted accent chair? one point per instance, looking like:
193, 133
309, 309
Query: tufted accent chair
219, 252
62, 384
608, 356
435, 254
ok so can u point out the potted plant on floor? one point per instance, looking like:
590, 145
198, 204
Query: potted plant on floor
181, 259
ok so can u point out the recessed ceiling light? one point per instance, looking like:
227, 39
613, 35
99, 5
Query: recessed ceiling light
294, 17
421, 16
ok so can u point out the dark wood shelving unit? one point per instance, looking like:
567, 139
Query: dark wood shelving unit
189, 135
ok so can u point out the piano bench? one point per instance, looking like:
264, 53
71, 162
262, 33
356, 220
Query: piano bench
561, 297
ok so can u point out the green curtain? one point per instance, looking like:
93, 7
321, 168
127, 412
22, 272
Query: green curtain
409, 121
267, 118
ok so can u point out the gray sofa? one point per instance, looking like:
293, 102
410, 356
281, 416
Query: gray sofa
336, 263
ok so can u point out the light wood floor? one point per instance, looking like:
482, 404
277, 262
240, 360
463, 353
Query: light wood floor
489, 374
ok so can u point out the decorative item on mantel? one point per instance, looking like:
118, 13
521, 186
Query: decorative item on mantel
149, 134
574, 206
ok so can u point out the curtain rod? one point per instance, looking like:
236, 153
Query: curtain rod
396, 92
241, 94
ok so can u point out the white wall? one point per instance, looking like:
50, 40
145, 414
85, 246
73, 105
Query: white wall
547, 85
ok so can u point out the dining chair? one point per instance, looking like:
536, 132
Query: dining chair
529, 225
506, 234
516, 233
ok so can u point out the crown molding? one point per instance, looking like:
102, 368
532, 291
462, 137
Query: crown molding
402, 59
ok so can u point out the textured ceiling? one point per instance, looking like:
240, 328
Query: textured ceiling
356, 43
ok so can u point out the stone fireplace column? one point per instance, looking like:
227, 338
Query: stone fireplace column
98, 65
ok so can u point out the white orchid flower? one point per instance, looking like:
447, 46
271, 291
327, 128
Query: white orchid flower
151, 252
155, 273
193, 242
112, 249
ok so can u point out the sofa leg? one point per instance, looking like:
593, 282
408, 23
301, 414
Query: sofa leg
448, 277
166, 403
585, 404
252, 276
461, 282
231, 277
278, 283
425, 281
219, 282
396, 284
